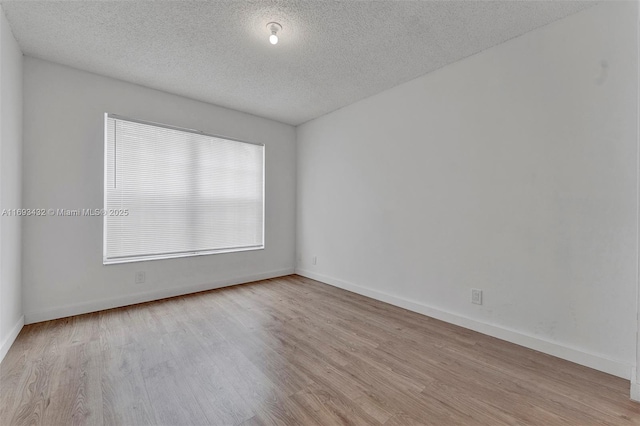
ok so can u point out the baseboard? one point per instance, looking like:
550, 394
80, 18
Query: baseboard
635, 386
8, 341
635, 391
117, 302
595, 361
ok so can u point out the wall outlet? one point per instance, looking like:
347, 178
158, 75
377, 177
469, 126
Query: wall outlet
476, 296
140, 277
314, 260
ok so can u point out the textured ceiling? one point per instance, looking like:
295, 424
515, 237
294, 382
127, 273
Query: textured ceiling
330, 53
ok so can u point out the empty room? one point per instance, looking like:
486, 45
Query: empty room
289, 212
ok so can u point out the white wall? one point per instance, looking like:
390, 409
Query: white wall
63, 168
512, 171
635, 375
11, 319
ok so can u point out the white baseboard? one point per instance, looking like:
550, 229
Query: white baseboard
635, 386
635, 391
117, 302
8, 341
595, 361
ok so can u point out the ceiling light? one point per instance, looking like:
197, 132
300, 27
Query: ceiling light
274, 27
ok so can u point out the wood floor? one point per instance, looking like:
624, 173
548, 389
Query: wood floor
290, 351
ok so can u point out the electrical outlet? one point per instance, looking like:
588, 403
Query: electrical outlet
314, 260
476, 296
140, 277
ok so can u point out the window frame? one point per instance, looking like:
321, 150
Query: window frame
174, 255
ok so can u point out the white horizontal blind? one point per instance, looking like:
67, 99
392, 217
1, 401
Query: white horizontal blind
172, 193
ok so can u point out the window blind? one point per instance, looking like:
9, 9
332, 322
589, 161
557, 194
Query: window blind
173, 192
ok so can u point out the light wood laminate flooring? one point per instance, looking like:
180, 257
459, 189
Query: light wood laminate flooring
290, 351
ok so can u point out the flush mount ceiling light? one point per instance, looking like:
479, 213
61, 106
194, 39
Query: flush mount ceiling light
273, 28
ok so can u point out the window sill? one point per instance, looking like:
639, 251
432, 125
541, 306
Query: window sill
115, 261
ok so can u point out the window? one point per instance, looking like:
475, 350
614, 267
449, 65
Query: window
173, 192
